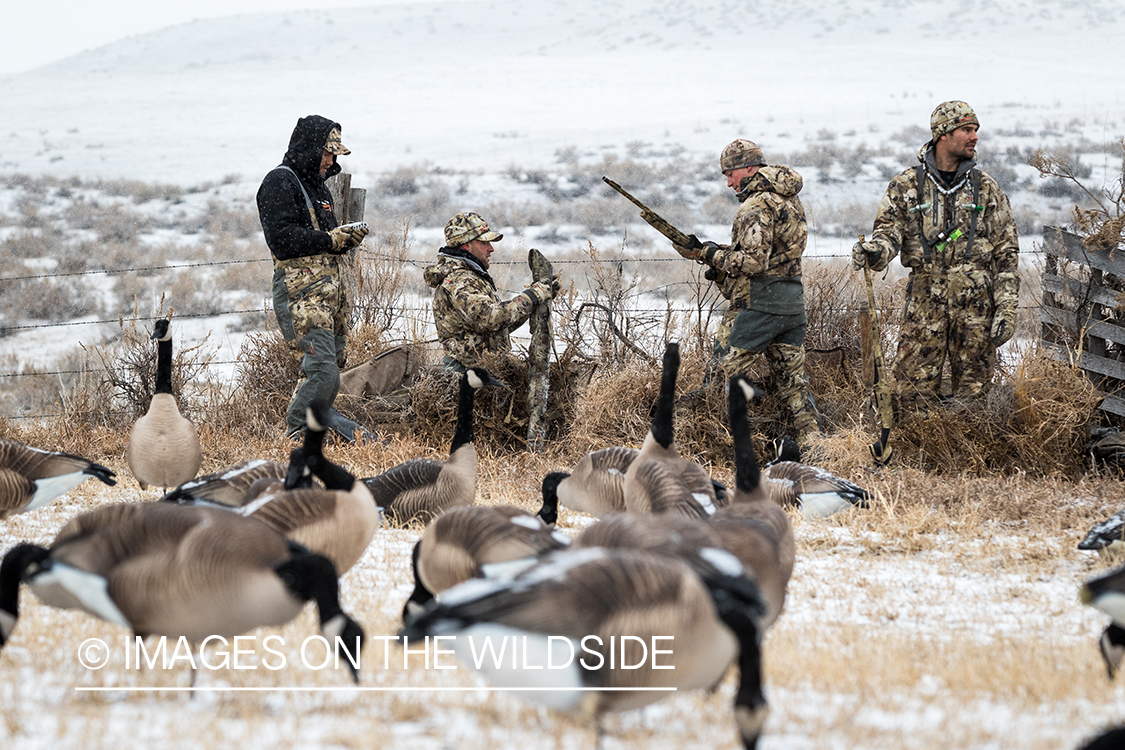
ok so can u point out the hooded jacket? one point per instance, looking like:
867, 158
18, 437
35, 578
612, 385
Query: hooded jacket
469, 316
762, 263
905, 217
286, 222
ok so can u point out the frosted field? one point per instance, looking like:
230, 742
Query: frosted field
968, 640
891, 638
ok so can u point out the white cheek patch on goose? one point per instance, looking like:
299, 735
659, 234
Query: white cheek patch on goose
705, 502
1113, 604
722, 561
474, 380
528, 522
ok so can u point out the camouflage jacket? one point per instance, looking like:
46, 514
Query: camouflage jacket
469, 316
762, 263
914, 227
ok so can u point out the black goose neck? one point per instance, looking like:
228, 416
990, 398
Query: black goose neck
463, 431
164, 366
662, 430
747, 474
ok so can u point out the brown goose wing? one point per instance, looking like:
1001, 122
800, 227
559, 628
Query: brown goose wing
409, 475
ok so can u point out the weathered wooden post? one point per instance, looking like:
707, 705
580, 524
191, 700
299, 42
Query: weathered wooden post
350, 204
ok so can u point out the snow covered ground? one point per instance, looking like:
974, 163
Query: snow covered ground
478, 95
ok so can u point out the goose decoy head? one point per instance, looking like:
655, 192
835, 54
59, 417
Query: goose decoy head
160, 330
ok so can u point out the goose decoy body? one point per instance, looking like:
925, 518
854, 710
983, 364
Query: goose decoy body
338, 520
816, 491
424, 488
175, 570
596, 484
659, 480
463, 542
163, 448
31, 477
576, 603
232, 486
1107, 536
753, 527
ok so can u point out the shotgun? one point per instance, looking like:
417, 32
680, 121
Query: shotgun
884, 410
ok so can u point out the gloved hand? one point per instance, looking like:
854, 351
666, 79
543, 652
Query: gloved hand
542, 291
346, 237
707, 252
1003, 325
864, 255
692, 251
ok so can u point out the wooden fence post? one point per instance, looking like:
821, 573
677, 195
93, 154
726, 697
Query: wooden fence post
1079, 319
349, 203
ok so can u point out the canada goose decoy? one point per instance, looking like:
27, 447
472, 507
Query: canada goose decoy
337, 521
753, 527
659, 480
175, 570
1107, 536
423, 488
817, 492
668, 535
460, 543
163, 446
232, 485
1106, 593
30, 477
590, 601
596, 484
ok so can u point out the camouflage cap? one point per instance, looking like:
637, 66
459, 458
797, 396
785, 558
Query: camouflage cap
466, 227
741, 153
333, 144
951, 115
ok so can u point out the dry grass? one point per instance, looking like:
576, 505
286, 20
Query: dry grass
945, 614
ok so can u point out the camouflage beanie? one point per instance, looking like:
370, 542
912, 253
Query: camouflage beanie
741, 153
951, 115
466, 227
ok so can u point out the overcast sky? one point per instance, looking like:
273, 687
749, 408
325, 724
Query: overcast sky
34, 34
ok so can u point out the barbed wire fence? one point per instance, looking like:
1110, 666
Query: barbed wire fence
407, 315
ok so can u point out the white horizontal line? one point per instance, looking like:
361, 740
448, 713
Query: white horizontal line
365, 689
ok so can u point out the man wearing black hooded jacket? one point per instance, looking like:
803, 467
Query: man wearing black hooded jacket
309, 248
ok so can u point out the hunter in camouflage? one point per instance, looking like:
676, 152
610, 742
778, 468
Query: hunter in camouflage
470, 317
760, 273
951, 225
308, 248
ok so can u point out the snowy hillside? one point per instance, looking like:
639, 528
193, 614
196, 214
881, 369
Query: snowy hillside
490, 84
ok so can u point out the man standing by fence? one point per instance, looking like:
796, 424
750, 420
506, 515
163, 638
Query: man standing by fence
760, 273
309, 296
952, 226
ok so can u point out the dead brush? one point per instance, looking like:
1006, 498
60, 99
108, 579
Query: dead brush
501, 414
1036, 423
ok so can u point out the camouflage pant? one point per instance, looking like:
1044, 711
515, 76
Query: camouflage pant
948, 314
312, 309
787, 368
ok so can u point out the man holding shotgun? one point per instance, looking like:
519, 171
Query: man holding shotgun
760, 273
